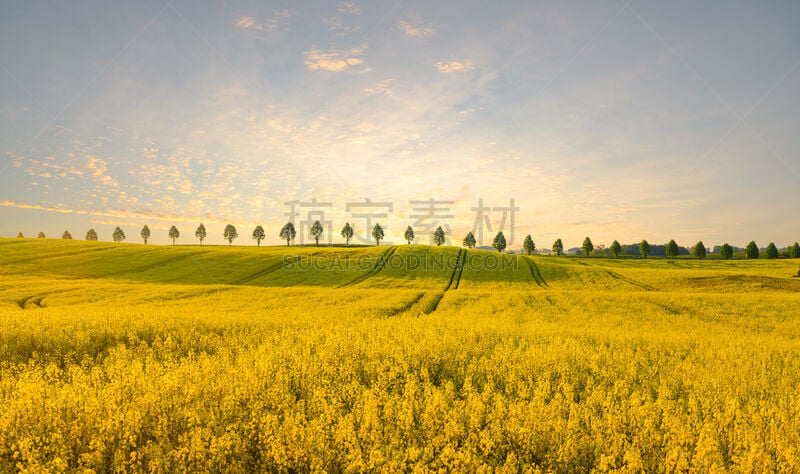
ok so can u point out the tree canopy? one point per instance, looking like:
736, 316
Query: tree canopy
644, 248
288, 233
118, 235
201, 233
41, 235
751, 251
20, 236
409, 235
528, 245
258, 235
726, 251
91, 234
615, 248
377, 234
671, 249
699, 250
347, 233
499, 242
145, 233
772, 251
794, 251
316, 231
469, 241
587, 246
558, 247
230, 233
66, 235
438, 236
174, 233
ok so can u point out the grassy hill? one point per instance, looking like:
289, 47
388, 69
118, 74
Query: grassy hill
402, 266
133, 357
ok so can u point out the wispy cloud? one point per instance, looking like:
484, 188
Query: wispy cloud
381, 88
123, 214
455, 66
337, 60
349, 7
420, 31
267, 24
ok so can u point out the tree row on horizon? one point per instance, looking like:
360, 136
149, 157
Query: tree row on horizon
316, 231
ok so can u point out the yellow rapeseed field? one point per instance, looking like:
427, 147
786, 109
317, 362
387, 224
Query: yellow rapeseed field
118, 357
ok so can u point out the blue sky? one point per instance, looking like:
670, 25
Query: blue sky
616, 120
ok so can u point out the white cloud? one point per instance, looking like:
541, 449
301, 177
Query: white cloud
420, 31
268, 24
336, 60
455, 66
349, 7
381, 88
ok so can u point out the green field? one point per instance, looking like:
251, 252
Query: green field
133, 357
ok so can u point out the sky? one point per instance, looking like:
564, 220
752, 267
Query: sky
616, 119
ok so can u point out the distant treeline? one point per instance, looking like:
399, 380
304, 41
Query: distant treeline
643, 249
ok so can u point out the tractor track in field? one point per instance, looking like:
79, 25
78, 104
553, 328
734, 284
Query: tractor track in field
407, 306
461, 269
261, 273
186, 296
435, 303
535, 273
56, 255
27, 302
160, 263
617, 276
270, 269
630, 281
35, 301
379, 265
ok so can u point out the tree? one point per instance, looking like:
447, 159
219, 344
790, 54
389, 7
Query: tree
201, 233
145, 234
230, 233
726, 251
794, 251
499, 242
699, 250
66, 235
20, 236
409, 235
91, 235
118, 235
288, 233
558, 247
615, 248
528, 245
377, 234
751, 251
174, 233
587, 246
644, 248
672, 249
772, 251
347, 233
258, 235
469, 240
438, 236
316, 231
41, 235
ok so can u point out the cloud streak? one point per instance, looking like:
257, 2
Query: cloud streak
336, 60
455, 66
